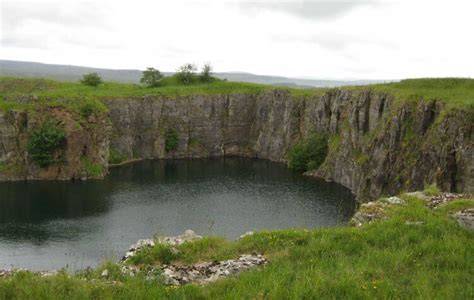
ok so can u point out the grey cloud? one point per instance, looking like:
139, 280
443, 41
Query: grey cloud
36, 25
17, 14
305, 8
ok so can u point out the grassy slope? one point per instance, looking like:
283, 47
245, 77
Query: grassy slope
455, 92
384, 259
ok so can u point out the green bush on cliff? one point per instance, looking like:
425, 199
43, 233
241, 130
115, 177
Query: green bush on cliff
309, 153
171, 139
43, 141
116, 157
91, 79
151, 77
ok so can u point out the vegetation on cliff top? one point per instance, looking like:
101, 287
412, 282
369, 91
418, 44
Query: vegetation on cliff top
416, 253
456, 92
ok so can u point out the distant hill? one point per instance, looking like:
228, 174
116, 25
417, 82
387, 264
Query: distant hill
74, 73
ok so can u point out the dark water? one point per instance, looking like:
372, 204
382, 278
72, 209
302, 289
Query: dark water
50, 225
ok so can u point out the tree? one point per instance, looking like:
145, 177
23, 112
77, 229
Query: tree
151, 77
91, 79
206, 73
185, 73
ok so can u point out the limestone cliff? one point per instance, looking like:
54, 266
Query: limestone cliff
378, 145
86, 147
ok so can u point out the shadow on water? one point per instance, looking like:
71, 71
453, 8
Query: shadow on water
48, 224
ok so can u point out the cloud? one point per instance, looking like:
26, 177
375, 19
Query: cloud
312, 10
17, 13
38, 25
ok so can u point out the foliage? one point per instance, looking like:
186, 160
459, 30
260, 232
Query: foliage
185, 73
151, 77
87, 110
91, 79
171, 139
309, 153
206, 73
92, 169
160, 253
116, 157
432, 190
43, 141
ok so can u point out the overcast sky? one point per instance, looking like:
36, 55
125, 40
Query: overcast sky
361, 39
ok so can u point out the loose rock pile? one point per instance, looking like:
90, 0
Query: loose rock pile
206, 272
375, 210
444, 198
200, 273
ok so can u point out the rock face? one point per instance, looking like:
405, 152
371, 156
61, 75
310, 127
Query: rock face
87, 144
378, 145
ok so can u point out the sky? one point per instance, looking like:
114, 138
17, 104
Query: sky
358, 39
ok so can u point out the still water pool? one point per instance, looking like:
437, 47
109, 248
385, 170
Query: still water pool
49, 225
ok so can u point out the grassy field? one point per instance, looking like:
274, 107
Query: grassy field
456, 92
387, 259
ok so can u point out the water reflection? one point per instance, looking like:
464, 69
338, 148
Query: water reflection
47, 225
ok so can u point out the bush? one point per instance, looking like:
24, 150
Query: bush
432, 190
186, 74
43, 141
171, 139
151, 77
87, 110
308, 154
116, 157
92, 169
91, 79
206, 73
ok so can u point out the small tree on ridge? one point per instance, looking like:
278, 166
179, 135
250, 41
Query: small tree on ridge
91, 79
185, 73
151, 77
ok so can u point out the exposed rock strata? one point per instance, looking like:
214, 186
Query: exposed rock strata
378, 147
85, 140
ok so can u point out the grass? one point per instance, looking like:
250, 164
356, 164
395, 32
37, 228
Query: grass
116, 157
384, 259
92, 169
455, 92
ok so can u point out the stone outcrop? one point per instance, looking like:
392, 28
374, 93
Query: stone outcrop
87, 144
206, 272
378, 145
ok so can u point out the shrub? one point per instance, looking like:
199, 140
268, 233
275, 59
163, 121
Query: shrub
91, 79
43, 141
159, 253
308, 154
186, 74
116, 157
87, 110
92, 169
171, 139
151, 77
206, 73
432, 190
